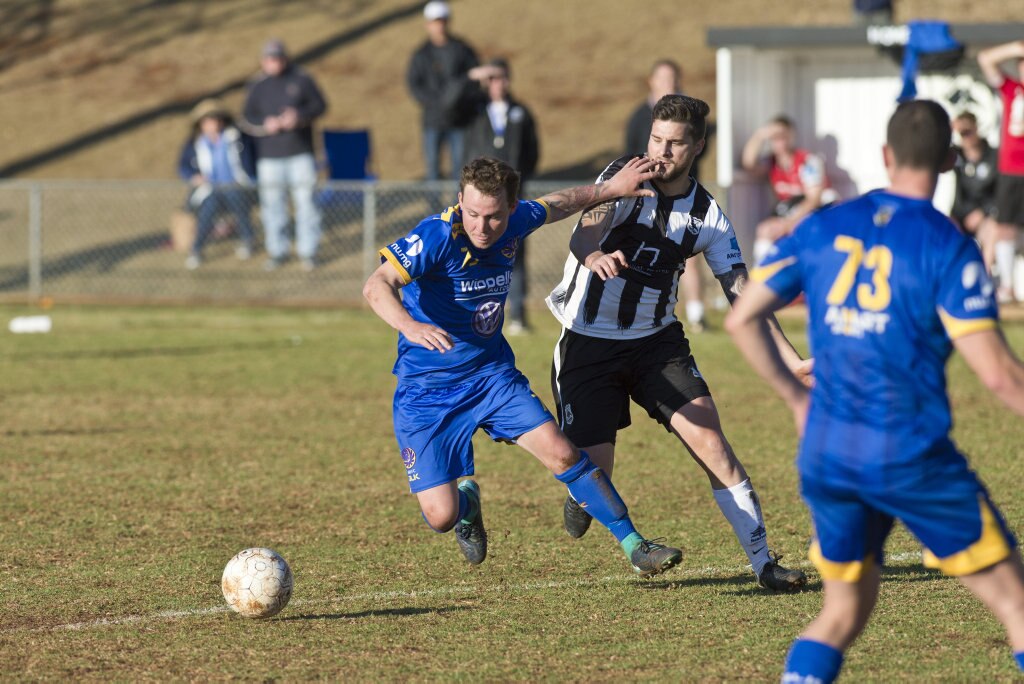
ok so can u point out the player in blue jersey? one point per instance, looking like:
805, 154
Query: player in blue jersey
892, 287
456, 373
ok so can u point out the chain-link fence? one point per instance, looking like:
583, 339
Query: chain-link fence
129, 241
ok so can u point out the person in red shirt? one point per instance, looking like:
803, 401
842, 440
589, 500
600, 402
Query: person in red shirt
1010, 185
797, 178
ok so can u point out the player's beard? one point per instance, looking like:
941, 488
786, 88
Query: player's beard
677, 172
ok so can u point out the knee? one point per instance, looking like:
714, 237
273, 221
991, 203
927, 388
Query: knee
563, 455
440, 518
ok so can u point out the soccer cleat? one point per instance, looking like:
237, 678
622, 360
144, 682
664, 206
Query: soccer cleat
777, 578
193, 262
575, 519
472, 536
650, 558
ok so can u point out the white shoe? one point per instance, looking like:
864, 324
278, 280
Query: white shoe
193, 262
243, 252
1018, 278
515, 328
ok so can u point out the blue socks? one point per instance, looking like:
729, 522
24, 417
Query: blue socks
592, 489
1019, 657
812, 661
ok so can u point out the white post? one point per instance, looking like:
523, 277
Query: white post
724, 127
369, 229
35, 242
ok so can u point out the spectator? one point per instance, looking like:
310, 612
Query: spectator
282, 104
797, 178
975, 170
503, 128
872, 12
438, 77
1010, 182
218, 163
666, 78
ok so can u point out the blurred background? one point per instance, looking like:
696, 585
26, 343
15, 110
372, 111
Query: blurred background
97, 98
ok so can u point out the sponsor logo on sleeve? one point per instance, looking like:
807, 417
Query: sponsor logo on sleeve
415, 245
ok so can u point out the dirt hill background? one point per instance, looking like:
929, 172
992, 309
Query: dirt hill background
101, 88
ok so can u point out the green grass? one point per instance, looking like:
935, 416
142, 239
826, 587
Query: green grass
142, 448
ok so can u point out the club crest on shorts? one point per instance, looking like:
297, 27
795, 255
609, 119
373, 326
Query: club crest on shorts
408, 457
567, 414
487, 318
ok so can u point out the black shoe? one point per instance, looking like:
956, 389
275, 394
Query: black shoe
777, 578
471, 536
651, 558
575, 519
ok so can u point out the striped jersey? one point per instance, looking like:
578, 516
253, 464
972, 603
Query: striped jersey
657, 235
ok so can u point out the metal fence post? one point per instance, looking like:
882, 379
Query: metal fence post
369, 229
35, 241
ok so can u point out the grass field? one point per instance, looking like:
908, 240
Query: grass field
142, 448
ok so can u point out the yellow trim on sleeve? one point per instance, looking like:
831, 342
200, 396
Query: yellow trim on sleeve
547, 209
763, 273
849, 571
386, 253
958, 327
991, 547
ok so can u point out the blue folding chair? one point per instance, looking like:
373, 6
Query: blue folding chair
348, 158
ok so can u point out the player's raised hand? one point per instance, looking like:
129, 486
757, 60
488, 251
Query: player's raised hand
429, 336
626, 183
607, 265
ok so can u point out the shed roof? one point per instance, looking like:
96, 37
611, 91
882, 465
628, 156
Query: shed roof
768, 37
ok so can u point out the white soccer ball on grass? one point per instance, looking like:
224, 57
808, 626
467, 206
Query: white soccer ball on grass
257, 583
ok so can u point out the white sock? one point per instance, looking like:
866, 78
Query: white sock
695, 311
1004, 263
742, 509
761, 248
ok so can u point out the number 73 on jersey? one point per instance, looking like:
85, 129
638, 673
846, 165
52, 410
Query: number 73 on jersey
872, 297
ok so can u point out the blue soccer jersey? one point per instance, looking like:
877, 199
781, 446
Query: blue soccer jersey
460, 289
889, 283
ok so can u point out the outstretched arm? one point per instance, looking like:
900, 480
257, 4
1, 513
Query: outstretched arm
381, 291
747, 323
625, 183
990, 59
736, 281
988, 355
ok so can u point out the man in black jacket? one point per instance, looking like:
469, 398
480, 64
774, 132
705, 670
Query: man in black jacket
439, 79
503, 128
282, 104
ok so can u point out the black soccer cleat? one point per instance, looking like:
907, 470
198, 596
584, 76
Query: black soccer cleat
777, 578
575, 519
651, 558
472, 536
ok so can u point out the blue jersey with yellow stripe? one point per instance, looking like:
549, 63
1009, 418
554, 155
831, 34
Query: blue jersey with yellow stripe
460, 289
889, 282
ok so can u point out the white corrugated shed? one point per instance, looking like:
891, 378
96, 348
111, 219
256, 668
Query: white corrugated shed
840, 90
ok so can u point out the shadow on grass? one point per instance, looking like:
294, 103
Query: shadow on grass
232, 347
60, 432
745, 584
384, 612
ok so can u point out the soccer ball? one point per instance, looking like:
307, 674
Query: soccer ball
257, 583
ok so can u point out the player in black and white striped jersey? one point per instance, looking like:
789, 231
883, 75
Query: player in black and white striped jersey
621, 339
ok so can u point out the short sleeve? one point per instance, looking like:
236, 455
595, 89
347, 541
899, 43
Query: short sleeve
529, 216
780, 269
966, 301
812, 171
722, 251
420, 251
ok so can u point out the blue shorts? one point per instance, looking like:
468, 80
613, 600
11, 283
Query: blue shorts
435, 425
937, 497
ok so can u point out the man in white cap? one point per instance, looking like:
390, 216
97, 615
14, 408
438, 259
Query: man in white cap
439, 79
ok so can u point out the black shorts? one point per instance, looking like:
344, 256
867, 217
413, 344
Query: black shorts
1010, 199
593, 380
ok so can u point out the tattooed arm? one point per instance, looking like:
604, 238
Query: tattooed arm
625, 183
585, 244
733, 283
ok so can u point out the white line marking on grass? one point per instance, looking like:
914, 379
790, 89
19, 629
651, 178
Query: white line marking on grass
708, 571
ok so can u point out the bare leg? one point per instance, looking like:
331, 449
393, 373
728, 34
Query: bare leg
845, 610
698, 427
440, 506
1001, 588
